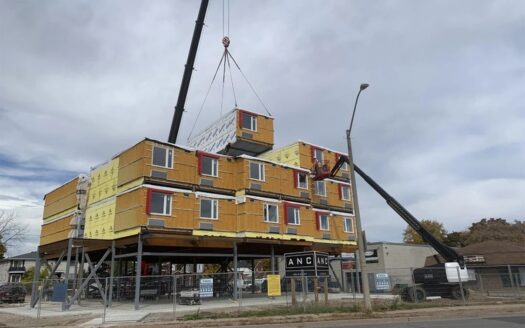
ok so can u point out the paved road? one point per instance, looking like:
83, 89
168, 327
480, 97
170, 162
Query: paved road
488, 322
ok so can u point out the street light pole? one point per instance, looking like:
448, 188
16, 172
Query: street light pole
360, 239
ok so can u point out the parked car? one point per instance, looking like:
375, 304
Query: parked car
12, 293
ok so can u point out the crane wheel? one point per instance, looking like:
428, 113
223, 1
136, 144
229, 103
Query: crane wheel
455, 292
416, 294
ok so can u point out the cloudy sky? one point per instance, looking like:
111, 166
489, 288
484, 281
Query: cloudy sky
442, 126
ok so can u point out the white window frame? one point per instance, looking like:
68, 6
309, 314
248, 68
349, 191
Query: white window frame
298, 216
299, 181
168, 157
317, 188
214, 166
214, 209
266, 212
320, 160
343, 194
348, 219
327, 221
260, 169
167, 200
253, 122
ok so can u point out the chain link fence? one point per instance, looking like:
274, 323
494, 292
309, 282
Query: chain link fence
191, 294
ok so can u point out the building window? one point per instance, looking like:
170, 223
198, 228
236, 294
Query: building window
257, 171
209, 166
292, 215
349, 226
271, 213
160, 203
320, 188
317, 155
162, 157
302, 180
322, 222
248, 121
345, 192
209, 208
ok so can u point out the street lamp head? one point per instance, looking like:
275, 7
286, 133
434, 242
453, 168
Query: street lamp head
363, 86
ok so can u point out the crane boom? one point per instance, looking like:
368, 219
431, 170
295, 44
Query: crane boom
188, 70
448, 253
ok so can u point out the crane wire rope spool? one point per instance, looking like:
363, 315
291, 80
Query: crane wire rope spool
225, 61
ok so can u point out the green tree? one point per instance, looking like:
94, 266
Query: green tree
410, 236
456, 239
496, 229
30, 272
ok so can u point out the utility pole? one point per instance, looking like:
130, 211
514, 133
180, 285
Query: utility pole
359, 228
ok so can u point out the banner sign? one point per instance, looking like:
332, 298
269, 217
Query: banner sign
310, 264
206, 287
382, 281
274, 284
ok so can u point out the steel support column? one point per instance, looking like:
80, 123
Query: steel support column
66, 278
138, 272
36, 278
111, 274
272, 260
235, 294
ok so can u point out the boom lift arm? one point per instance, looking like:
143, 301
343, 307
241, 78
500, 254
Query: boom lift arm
188, 70
448, 253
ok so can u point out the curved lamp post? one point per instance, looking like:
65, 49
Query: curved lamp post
360, 239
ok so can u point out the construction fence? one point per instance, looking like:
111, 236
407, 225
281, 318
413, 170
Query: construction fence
184, 294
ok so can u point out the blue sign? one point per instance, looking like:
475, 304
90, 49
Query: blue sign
206, 287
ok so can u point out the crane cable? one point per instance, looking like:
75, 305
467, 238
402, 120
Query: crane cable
225, 61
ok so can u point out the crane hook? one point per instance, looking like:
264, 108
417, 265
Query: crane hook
226, 41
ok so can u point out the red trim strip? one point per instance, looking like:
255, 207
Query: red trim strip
286, 206
295, 178
340, 192
200, 154
318, 220
148, 197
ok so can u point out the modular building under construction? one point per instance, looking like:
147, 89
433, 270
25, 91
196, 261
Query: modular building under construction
227, 196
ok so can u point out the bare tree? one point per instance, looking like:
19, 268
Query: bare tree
11, 231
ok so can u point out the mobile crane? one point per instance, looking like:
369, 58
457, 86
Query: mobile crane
443, 279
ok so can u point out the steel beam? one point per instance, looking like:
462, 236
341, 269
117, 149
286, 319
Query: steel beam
111, 269
235, 291
92, 273
138, 272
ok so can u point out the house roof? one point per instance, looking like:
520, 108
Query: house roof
491, 252
496, 252
26, 256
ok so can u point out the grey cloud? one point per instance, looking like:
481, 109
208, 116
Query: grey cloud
441, 126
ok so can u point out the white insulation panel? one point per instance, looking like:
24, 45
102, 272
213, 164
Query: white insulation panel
217, 136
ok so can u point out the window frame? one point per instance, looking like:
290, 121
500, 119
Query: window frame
345, 219
298, 216
164, 202
213, 209
298, 180
314, 150
319, 221
260, 171
253, 121
266, 211
341, 190
316, 189
169, 159
214, 165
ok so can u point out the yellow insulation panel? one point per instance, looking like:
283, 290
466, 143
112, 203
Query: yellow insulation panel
103, 181
287, 155
100, 220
